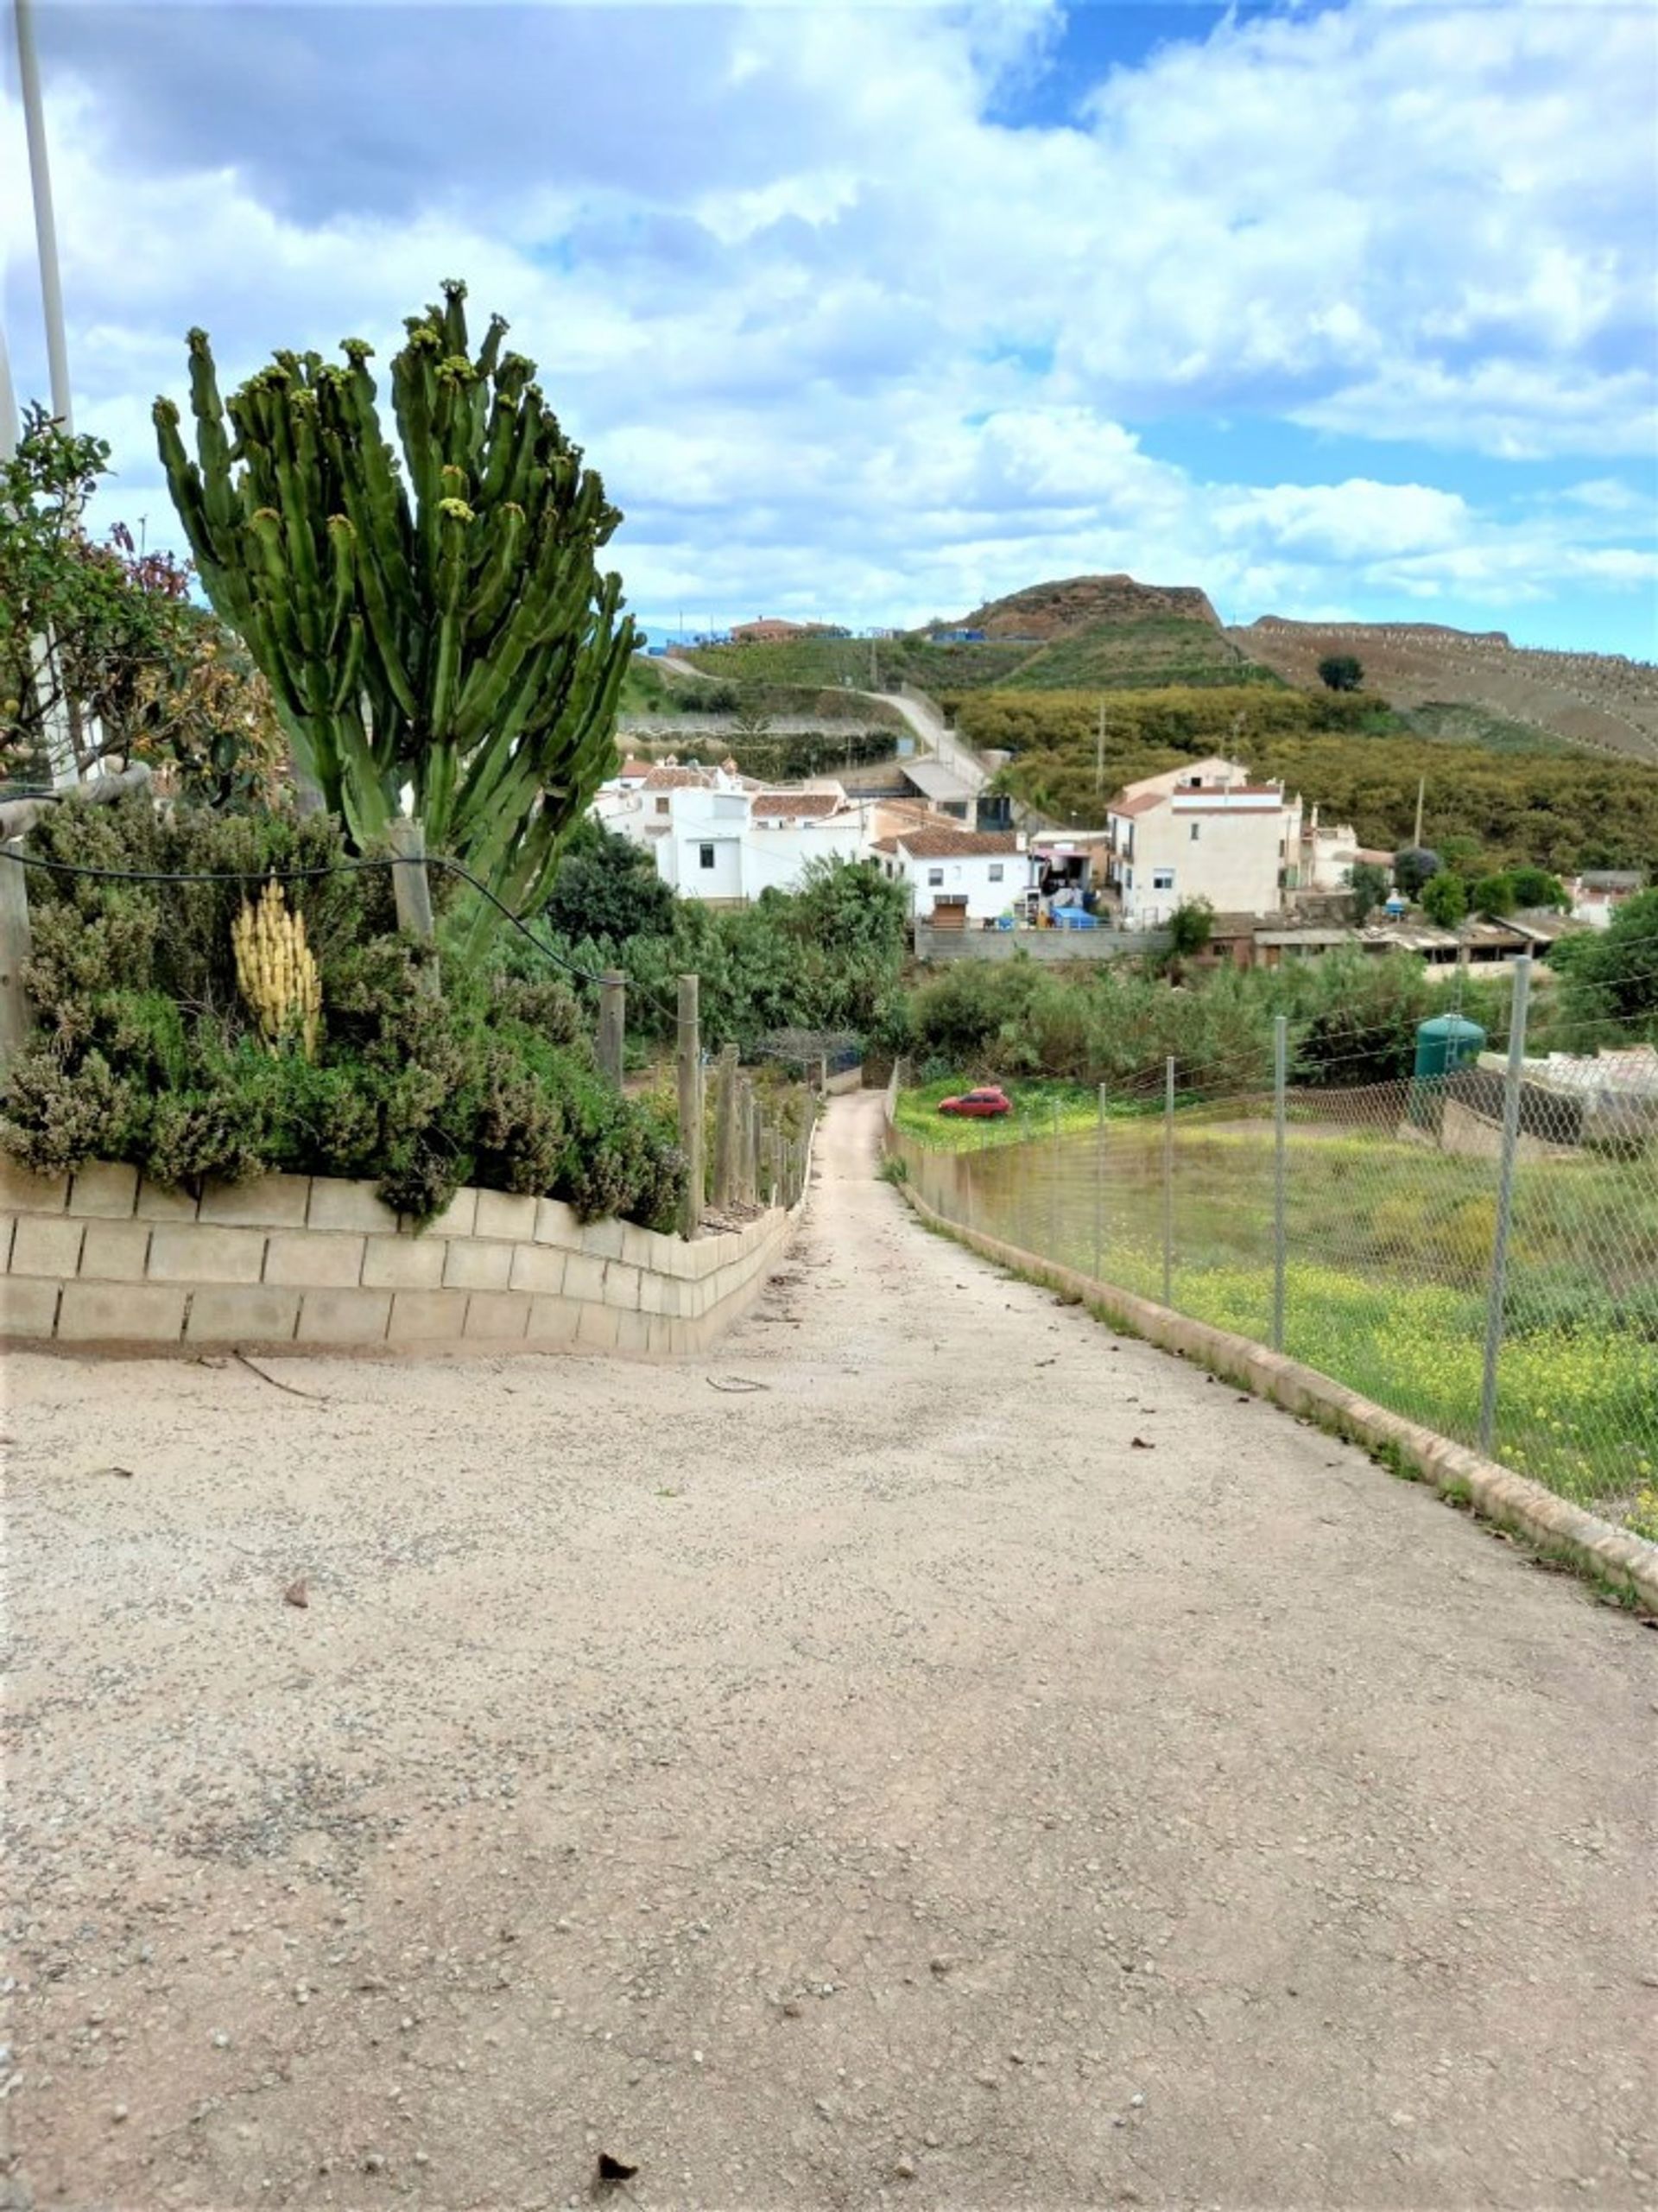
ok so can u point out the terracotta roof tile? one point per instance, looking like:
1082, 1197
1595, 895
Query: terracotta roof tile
796, 802
956, 844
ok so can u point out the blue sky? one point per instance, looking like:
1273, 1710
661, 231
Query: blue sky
872, 315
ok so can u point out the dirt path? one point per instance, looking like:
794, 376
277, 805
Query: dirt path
886, 1785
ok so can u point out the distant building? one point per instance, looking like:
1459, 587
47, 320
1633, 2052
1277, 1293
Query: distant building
1202, 831
772, 629
1597, 893
972, 875
722, 837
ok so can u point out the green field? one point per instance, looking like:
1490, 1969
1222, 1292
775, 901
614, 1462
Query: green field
1388, 1244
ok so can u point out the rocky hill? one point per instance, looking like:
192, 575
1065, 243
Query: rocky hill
1597, 699
1078, 604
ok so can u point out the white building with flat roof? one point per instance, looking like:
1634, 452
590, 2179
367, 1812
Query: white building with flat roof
722, 837
1202, 831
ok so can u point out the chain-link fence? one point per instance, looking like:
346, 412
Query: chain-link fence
1476, 1249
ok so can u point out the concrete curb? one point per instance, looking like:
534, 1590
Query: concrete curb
1497, 1492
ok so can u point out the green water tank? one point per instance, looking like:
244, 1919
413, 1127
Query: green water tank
1448, 1041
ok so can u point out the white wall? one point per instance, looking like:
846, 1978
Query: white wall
991, 882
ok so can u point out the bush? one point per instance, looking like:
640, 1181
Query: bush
147, 1054
1445, 899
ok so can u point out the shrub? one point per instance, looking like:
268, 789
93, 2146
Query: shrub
147, 1054
1445, 899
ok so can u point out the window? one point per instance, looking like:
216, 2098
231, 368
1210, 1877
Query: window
1162, 879
661, 806
996, 872
706, 856
1196, 827
935, 875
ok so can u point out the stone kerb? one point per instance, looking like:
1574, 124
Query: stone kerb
102, 1257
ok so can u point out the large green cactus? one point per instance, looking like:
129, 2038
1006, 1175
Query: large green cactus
439, 628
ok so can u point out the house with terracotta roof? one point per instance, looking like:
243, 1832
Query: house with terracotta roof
969, 876
722, 837
1202, 831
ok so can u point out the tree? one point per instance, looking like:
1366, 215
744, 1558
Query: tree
1190, 927
1445, 899
1340, 672
1612, 974
1368, 883
439, 625
1494, 895
1413, 867
104, 637
607, 887
1535, 888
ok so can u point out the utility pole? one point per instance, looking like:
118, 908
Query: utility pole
1421, 792
45, 232
62, 717
8, 424
1099, 752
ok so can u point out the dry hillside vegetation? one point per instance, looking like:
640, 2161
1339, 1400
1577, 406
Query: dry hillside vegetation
1597, 699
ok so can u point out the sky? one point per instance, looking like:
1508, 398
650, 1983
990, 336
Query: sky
869, 315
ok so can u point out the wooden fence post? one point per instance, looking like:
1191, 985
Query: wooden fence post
725, 1129
757, 1149
411, 889
16, 1015
690, 1072
612, 1024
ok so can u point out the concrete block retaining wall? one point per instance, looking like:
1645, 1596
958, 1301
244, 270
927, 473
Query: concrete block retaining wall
104, 1258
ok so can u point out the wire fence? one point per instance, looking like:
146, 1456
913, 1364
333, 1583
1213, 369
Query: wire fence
1476, 1249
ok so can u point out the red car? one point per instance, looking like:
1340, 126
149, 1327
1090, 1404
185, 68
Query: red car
981, 1105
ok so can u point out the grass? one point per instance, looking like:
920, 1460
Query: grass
1389, 1245
1040, 1110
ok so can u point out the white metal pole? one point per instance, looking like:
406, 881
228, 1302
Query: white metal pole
10, 429
46, 229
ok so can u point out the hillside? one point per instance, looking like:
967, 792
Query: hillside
1594, 699
1360, 761
1079, 632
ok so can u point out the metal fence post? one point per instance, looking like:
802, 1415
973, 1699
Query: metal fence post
1168, 1181
612, 1024
690, 1075
16, 1014
1499, 1281
725, 1127
1100, 1188
1054, 1190
1279, 1074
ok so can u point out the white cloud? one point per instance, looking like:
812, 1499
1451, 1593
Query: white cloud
829, 333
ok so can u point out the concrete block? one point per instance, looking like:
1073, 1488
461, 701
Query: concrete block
403, 1263
115, 1252
106, 1187
596, 1329
267, 1202
659, 1294
620, 1285
675, 1257
707, 1253
24, 1192
314, 1259
603, 1238
426, 1315
45, 1244
338, 1204
642, 1247
474, 1265
633, 1335
538, 1267
504, 1213
458, 1216
553, 1321
659, 1336
27, 1308
121, 1313
189, 1251
556, 1224
343, 1316
583, 1277
156, 1204
499, 1315
249, 1313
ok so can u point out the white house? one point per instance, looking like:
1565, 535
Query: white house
720, 837
1329, 855
984, 871
1202, 831
1598, 893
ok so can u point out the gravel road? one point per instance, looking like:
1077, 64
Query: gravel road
843, 1771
